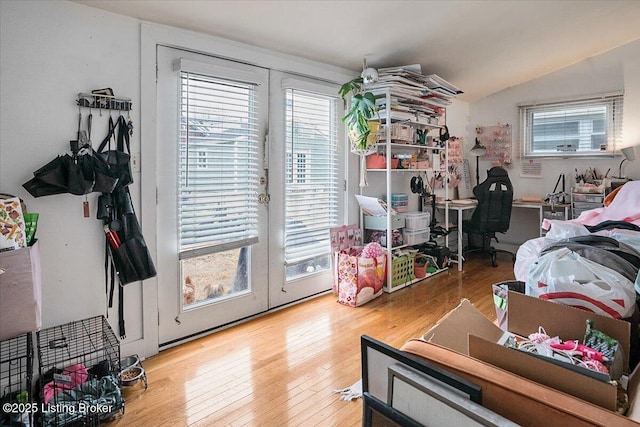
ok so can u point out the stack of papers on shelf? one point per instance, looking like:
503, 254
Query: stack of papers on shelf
414, 96
373, 206
434, 81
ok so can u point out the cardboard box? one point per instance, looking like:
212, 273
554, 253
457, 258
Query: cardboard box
465, 330
20, 292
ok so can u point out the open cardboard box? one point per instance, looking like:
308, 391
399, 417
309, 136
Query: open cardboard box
465, 330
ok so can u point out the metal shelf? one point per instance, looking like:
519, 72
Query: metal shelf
105, 102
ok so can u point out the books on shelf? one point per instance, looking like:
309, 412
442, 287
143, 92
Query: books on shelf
414, 97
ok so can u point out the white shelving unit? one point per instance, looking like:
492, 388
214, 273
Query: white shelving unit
389, 149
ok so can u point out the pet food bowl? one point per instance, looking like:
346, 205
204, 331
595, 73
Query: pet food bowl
130, 376
129, 361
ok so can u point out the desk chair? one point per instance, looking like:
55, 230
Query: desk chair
491, 216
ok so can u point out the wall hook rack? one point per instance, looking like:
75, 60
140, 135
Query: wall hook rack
108, 102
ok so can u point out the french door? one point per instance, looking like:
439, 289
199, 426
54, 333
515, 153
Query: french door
248, 183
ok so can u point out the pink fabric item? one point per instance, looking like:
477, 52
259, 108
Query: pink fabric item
78, 374
624, 207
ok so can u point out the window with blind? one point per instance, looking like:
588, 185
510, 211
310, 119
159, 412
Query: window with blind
218, 165
311, 181
589, 127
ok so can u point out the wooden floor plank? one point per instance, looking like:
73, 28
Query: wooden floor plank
282, 368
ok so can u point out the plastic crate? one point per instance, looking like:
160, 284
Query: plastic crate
415, 237
417, 220
380, 222
78, 365
16, 373
402, 270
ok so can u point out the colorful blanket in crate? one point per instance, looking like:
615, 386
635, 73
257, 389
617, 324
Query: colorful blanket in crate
93, 399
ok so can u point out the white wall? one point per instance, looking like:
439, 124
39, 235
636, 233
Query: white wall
618, 69
49, 52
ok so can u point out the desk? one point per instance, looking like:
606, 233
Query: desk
469, 204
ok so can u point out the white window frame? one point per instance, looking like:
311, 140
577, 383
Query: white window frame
574, 146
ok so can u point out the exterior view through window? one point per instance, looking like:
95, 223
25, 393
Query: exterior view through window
311, 181
583, 127
218, 186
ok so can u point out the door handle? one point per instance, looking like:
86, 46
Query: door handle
264, 199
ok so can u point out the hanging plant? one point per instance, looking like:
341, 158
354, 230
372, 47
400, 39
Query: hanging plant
363, 132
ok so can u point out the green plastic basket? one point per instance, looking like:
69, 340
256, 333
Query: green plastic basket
402, 270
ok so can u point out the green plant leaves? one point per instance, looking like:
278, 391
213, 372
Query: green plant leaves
362, 109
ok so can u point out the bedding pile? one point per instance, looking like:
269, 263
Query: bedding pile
591, 262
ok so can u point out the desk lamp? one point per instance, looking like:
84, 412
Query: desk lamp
478, 150
630, 155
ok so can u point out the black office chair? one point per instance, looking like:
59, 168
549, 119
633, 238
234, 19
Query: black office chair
491, 216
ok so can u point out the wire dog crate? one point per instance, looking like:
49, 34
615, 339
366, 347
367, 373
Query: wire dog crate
79, 363
16, 373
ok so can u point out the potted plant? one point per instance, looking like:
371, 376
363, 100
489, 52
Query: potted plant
363, 132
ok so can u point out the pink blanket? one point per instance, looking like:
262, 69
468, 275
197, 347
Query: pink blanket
77, 375
624, 207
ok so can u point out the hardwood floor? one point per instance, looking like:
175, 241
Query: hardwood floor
282, 368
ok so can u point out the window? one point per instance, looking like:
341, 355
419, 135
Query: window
590, 127
311, 193
296, 171
217, 202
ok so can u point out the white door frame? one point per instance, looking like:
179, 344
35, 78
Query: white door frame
152, 35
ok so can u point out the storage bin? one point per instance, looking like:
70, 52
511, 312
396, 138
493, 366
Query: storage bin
376, 161
593, 198
380, 236
400, 133
417, 220
400, 202
415, 237
20, 292
586, 205
380, 222
402, 270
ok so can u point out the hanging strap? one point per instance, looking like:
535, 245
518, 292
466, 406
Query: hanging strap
123, 333
107, 139
123, 136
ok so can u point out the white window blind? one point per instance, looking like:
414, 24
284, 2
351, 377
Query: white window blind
218, 165
578, 127
311, 189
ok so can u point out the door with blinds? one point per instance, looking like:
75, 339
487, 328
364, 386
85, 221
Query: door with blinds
306, 178
250, 182
212, 193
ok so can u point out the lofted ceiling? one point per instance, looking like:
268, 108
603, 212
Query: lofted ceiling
480, 46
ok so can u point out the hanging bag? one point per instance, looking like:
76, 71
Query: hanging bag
129, 252
118, 159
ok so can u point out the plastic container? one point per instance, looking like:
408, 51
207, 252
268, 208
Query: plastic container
417, 220
402, 270
415, 237
380, 222
376, 161
400, 202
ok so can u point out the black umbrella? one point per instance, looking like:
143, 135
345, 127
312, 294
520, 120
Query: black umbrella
79, 173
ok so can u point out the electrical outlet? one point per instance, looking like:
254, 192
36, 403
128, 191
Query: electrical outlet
135, 162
